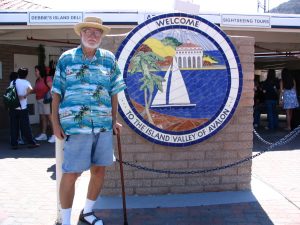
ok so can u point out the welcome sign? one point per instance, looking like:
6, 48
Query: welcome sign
183, 77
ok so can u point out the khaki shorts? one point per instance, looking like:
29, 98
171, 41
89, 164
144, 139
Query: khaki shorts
44, 109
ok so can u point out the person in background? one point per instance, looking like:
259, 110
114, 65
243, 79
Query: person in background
86, 83
295, 122
19, 117
12, 77
43, 84
271, 90
288, 95
296, 75
258, 102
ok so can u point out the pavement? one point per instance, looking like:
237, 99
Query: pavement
28, 192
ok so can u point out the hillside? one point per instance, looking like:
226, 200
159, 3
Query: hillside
289, 7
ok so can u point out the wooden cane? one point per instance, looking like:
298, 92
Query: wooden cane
122, 178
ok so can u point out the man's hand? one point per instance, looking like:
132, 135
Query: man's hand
117, 127
58, 132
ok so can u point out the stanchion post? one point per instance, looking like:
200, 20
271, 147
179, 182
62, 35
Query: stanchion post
59, 158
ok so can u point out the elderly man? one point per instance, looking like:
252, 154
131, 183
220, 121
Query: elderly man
84, 107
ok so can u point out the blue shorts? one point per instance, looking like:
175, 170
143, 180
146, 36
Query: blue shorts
81, 151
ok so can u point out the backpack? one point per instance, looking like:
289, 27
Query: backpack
10, 98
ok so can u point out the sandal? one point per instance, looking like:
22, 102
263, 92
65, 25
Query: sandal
82, 218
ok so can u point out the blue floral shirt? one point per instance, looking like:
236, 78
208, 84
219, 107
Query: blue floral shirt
86, 87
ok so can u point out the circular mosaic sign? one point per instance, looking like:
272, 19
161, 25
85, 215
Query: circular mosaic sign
183, 77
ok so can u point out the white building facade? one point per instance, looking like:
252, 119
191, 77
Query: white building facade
189, 55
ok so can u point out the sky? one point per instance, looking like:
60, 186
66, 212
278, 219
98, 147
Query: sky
220, 6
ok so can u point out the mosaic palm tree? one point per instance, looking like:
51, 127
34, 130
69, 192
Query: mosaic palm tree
80, 115
146, 63
82, 72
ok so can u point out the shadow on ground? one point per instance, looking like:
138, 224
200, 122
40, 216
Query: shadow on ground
233, 214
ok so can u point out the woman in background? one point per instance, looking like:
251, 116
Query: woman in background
42, 85
288, 95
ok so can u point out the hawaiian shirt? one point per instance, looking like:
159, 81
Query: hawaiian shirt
86, 87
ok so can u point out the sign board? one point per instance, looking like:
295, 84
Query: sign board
235, 20
183, 77
41, 18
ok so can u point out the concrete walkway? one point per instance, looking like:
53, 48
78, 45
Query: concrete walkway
28, 193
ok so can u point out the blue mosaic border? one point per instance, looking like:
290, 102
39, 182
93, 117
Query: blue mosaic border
226, 38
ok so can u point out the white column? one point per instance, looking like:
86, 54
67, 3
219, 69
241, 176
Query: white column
201, 61
201, 58
59, 144
194, 62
